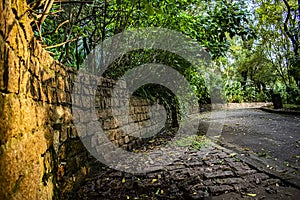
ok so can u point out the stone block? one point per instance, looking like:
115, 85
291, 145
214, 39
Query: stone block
245, 172
93, 128
80, 130
10, 67
68, 117
110, 123
101, 114
73, 132
43, 93
126, 139
16, 38
28, 117
67, 84
64, 134
256, 178
51, 94
21, 156
10, 117
60, 83
115, 142
68, 98
115, 102
219, 189
61, 96
41, 114
94, 141
46, 61
121, 84
111, 134
86, 102
229, 181
35, 88
121, 141
218, 174
56, 136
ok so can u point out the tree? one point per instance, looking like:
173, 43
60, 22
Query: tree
73, 28
280, 39
87, 23
270, 60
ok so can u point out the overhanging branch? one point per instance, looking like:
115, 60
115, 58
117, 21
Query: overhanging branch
72, 2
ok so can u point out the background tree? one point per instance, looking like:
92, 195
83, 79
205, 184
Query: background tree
270, 62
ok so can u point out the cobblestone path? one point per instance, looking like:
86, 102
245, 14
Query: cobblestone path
212, 172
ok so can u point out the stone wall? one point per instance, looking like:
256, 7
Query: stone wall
125, 129
41, 155
228, 106
26, 101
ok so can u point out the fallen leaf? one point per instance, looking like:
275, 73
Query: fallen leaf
232, 154
135, 151
157, 191
154, 180
123, 180
251, 195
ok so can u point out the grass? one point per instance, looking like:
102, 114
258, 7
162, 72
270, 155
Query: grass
291, 107
288, 107
196, 142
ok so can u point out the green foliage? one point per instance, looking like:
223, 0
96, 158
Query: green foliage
292, 107
234, 92
213, 24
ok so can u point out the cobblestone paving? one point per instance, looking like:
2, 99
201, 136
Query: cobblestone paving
209, 173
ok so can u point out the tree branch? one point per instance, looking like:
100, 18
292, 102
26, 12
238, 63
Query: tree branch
72, 2
54, 31
46, 10
60, 44
285, 26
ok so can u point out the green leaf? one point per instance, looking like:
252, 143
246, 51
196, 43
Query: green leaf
149, 9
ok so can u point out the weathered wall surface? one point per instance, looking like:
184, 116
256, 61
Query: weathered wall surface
41, 155
23, 132
123, 118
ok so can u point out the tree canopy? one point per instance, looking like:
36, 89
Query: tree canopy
255, 44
